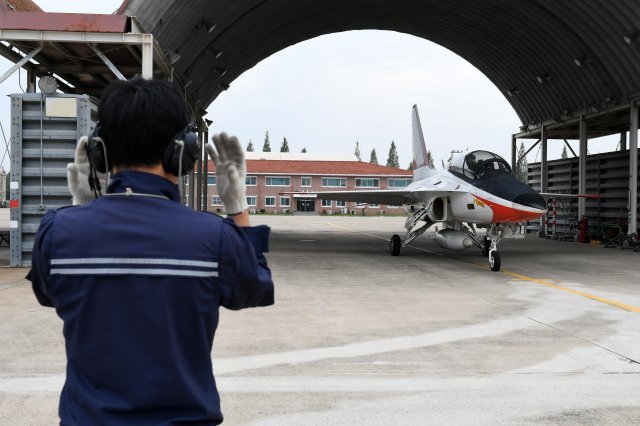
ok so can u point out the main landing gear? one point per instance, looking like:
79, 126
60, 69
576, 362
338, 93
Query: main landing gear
397, 243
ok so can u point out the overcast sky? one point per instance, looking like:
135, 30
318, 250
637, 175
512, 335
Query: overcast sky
327, 93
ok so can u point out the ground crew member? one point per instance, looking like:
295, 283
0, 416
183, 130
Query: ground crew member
137, 278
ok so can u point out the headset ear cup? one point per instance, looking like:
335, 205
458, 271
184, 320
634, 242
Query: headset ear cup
172, 160
96, 151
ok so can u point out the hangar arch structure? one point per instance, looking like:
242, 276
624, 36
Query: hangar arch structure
570, 69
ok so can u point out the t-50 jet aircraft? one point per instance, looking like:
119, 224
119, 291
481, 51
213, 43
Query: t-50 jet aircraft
477, 190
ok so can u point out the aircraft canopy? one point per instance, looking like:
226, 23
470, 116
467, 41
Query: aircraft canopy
478, 165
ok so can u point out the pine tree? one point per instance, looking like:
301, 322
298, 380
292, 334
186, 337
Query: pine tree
374, 157
430, 160
250, 146
357, 152
392, 160
285, 146
564, 153
267, 146
304, 150
521, 171
412, 165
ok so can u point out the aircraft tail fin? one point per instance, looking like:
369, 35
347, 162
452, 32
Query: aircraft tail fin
420, 153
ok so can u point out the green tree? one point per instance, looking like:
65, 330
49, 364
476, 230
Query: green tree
267, 146
304, 150
430, 160
285, 145
250, 146
392, 159
374, 157
564, 153
521, 170
412, 165
357, 151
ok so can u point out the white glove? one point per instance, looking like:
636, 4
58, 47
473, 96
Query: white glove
78, 174
230, 172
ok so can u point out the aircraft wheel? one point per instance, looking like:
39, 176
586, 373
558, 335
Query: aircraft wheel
494, 261
395, 245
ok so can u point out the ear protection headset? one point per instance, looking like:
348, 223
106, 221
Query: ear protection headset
178, 158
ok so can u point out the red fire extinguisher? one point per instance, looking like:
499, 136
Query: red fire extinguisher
583, 226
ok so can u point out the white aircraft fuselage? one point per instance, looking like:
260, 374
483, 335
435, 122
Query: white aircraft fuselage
476, 190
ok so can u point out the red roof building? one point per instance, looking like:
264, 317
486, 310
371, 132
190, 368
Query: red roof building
269, 180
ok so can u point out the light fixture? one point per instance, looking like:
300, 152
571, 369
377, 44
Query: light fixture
173, 57
188, 83
216, 53
207, 26
48, 84
582, 60
631, 38
543, 77
513, 92
220, 71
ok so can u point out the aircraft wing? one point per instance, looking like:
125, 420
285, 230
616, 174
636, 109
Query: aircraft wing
548, 195
389, 197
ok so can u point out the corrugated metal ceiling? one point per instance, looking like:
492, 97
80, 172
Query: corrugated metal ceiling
530, 49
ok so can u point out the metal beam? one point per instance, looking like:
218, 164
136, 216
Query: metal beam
532, 146
205, 194
77, 37
582, 168
31, 81
107, 62
544, 176
199, 166
147, 56
514, 147
566, 142
544, 171
21, 62
633, 165
84, 69
623, 141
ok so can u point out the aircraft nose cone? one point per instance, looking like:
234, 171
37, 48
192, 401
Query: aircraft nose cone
529, 199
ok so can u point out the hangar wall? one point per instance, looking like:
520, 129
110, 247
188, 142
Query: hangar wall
44, 131
607, 175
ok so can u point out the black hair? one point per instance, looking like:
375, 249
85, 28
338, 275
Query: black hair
138, 119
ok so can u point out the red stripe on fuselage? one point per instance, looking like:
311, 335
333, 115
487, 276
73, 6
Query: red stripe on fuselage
508, 214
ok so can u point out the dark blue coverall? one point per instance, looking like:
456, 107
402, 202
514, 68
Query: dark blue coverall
138, 281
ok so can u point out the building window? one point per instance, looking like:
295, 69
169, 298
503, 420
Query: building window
278, 181
341, 204
211, 179
215, 200
374, 206
251, 181
305, 181
399, 183
285, 202
334, 182
367, 183
270, 201
326, 203
252, 201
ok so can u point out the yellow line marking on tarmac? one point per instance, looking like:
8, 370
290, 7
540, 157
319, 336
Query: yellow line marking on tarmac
610, 302
517, 276
546, 282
